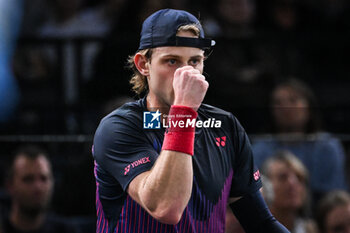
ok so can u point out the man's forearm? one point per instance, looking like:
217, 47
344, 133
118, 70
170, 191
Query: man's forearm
169, 184
165, 190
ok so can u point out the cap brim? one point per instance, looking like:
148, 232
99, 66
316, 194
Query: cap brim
202, 43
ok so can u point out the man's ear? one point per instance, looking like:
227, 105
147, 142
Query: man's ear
142, 64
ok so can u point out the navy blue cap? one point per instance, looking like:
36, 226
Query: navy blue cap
161, 27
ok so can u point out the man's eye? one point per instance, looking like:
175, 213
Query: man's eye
172, 61
194, 61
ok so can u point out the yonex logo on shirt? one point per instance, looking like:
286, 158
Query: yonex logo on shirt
256, 175
135, 164
221, 141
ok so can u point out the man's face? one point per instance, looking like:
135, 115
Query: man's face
290, 109
163, 64
32, 183
338, 220
289, 188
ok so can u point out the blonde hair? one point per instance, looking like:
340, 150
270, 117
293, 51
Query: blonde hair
138, 81
291, 161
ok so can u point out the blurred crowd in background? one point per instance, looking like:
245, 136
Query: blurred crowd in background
280, 66
66, 59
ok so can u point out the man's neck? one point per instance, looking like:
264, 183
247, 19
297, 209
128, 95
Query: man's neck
154, 104
24, 221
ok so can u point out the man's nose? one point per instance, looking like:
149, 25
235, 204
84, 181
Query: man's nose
40, 183
293, 179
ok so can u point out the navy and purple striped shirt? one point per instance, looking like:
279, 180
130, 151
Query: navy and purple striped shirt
222, 164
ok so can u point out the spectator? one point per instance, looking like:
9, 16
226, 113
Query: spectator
290, 202
296, 127
30, 185
333, 215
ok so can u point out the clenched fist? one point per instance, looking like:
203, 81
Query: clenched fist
189, 86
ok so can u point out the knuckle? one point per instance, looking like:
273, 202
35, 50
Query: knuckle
195, 71
177, 72
205, 84
186, 73
199, 76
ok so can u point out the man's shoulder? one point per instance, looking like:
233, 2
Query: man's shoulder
129, 112
127, 109
119, 123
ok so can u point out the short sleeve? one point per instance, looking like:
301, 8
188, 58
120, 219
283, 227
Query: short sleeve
122, 149
246, 176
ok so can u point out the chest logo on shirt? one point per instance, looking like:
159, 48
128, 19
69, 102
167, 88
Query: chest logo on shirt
135, 164
220, 141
